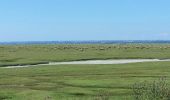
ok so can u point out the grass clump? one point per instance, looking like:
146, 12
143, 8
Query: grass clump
156, 90
102, 95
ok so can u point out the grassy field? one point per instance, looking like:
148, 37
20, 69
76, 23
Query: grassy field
32, 54
78, 82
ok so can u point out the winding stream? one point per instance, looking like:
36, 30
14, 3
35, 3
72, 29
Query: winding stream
111, 61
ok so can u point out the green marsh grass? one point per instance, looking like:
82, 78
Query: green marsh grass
78, 82
33, 54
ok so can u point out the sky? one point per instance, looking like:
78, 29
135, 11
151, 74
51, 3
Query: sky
60, 20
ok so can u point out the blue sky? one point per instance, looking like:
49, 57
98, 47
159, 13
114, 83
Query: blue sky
49, 20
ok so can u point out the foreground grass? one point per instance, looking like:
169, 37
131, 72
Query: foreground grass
32, 54
156, 90
78, 82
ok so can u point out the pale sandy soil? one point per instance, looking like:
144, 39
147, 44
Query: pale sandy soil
111, 61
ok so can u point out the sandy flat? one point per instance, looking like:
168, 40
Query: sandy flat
111, 61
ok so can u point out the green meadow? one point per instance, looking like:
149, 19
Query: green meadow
33, 54
78, 82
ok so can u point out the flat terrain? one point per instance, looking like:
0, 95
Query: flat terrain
32, 54
78, 82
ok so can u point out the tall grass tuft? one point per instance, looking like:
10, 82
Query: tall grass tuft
156, 90
102, 95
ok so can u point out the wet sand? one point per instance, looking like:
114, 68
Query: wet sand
111, 61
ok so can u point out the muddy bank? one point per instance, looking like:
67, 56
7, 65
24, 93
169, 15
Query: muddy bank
110, 61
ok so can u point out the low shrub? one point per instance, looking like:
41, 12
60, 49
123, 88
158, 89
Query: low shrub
156, 90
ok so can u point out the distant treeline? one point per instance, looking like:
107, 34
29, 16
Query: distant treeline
88, 42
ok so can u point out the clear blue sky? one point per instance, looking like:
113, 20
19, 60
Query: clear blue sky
38, 20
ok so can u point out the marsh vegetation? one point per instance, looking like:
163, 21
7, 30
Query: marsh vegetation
79, 82
41, 54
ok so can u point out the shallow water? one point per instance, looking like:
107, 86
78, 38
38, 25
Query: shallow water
111, 61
